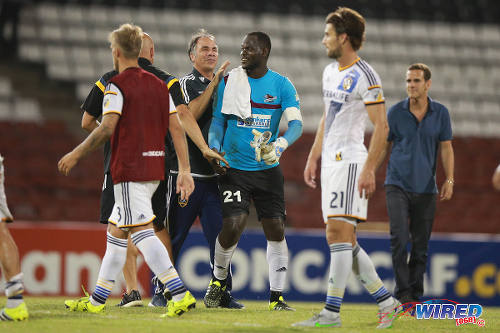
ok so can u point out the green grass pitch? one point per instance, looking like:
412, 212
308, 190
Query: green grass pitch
47, 315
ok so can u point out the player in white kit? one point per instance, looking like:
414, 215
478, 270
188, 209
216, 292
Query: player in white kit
352, 93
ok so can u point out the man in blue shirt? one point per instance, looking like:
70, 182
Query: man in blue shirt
418, 127
254, 174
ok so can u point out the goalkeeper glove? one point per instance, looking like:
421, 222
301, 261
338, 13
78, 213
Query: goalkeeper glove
259, 141
271, 153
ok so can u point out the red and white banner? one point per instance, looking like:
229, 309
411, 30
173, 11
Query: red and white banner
58, 257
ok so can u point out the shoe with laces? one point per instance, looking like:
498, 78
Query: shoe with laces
229, 302
320, 320
130, 300
388, 314
280, 305
176, 309
214, 294
18, 313
83, 304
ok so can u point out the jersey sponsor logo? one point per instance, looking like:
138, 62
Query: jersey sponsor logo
269, 98
338, 95
153, 153
256, 121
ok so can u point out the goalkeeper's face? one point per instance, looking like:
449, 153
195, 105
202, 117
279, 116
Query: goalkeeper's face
252, 54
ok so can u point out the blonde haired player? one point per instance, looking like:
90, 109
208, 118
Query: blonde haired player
136, 110
352, 93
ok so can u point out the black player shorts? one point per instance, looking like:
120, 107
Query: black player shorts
264, 187
159, 202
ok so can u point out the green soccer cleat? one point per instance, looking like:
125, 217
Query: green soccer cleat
320, 320
176, 309
15, 314
214, 294
389, 314
280, 305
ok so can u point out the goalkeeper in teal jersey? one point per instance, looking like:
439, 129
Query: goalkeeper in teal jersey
245, 127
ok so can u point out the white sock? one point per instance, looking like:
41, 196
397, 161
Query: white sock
277, 258
14, 291
340, 267
222, 259
111, 266
363, 267
157, 258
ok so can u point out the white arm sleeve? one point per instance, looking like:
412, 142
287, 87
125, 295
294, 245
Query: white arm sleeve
113, 100
292, 113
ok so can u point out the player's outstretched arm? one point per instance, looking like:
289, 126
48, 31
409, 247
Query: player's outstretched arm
95, 139
378, 117
311, 168
193, 130
198, 105
185, 182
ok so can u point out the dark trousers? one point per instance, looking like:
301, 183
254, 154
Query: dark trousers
411, 216
204, 203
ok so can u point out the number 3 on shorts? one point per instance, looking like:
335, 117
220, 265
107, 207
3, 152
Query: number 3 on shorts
228, 196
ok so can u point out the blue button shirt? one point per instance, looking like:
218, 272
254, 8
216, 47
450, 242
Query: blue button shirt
412, 164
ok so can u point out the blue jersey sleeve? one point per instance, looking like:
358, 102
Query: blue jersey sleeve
219, 96
289, 96
218, 125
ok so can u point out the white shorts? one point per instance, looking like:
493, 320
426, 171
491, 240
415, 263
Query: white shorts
340, 197
133, 206
5, 215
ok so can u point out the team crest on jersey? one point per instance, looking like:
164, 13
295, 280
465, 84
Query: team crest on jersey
182, 202
347, 83
269, 98
338, 156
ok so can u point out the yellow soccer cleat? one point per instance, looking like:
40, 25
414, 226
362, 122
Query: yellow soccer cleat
83, 304
15, 314
280, 305
176, 309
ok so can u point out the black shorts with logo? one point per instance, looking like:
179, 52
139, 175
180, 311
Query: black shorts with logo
264, 187
158, 201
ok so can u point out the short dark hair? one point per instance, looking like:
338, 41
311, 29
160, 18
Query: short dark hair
263, 39
349, 21
422, 67
196, 37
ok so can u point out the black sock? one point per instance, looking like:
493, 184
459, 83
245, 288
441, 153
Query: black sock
275, 296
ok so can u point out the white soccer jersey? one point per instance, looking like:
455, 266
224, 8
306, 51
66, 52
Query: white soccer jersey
346, 92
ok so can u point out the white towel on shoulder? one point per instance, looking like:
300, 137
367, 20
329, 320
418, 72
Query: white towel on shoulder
236, 99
